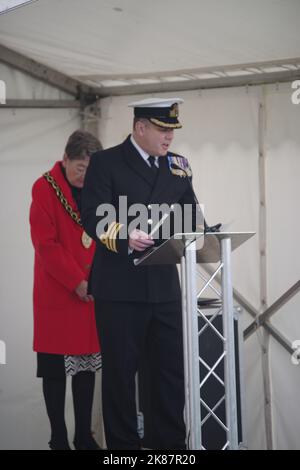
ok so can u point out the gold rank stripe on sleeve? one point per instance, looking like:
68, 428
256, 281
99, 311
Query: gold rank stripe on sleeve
112, 237
105, 236
109, 237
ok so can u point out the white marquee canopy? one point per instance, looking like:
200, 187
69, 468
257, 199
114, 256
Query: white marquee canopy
108, 43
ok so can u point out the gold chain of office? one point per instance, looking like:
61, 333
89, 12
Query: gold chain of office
73, 214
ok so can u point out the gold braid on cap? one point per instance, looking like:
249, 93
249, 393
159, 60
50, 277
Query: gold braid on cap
164, 124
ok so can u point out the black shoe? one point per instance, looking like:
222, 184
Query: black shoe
87, 444
59, 445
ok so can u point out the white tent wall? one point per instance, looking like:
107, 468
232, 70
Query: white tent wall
30, 142
220, 138
283, 194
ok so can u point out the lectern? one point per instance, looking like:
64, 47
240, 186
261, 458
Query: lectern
188, 250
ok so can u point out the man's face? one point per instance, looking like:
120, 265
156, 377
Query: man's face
76, 170
153, 139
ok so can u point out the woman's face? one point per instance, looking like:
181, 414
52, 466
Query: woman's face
76, 170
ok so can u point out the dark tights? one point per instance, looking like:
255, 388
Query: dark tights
54, 391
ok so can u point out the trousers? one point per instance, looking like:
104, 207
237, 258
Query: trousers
145, 337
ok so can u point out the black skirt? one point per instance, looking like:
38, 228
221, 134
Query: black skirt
51, 366
56, 366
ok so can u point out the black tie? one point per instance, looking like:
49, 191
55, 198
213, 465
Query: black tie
154, 168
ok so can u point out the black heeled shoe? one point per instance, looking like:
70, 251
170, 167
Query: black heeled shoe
59, 445
87, 444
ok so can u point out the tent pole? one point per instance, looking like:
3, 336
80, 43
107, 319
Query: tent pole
90, 116
263, 264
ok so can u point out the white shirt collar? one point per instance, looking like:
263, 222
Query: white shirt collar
142, 152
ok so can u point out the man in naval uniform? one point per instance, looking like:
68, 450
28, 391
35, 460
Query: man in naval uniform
138, 307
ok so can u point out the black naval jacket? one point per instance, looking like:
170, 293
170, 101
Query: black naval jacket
121, 171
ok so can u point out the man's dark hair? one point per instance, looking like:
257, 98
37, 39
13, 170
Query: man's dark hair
82, 144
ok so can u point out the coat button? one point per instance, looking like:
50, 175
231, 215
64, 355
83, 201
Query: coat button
149, 206
150, 221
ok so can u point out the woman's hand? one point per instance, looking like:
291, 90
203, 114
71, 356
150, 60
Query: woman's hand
81, 291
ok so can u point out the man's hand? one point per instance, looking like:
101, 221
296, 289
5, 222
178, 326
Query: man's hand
139, 240
81, 291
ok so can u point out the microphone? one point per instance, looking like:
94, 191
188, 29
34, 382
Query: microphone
213, 228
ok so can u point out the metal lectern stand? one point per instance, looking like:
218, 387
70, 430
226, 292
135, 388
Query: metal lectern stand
188, 249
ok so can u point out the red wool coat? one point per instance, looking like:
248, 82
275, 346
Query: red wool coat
63, 324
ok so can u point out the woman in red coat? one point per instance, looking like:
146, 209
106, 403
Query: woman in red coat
65, 336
